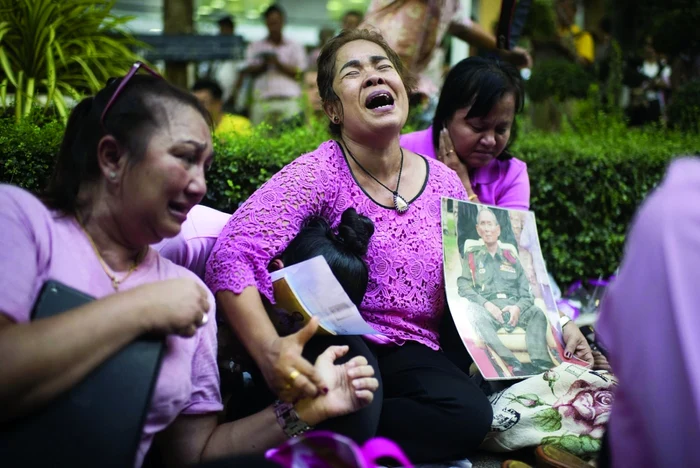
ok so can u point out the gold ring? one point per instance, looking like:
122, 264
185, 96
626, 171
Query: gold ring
294, 374
450, 151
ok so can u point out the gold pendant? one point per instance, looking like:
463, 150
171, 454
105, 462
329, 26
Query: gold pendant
400, 203
115, 284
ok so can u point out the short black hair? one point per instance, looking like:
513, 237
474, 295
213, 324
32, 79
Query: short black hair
342, 251
211, 86
274, 9
227, 21
482, 83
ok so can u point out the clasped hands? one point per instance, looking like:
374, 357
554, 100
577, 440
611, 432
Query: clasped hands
324, 389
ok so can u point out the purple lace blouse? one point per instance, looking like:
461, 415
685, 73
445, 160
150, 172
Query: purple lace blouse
405, 296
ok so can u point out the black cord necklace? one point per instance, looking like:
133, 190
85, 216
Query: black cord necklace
400, 203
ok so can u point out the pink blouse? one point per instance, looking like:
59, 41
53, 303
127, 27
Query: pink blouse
501, 183
405, 296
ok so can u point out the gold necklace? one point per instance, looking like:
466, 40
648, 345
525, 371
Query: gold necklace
116, 282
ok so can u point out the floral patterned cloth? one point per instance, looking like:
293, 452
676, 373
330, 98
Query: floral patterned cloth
568, 406
405, 296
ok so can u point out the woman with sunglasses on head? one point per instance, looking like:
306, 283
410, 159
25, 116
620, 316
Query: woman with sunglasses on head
131, 165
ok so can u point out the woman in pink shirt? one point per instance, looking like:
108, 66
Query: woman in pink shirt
424, 403
472, 129
131, 166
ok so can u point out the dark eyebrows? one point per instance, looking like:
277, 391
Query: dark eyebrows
351, 63
198, 145
375, 59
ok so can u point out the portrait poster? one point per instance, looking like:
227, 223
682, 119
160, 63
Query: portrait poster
498, 290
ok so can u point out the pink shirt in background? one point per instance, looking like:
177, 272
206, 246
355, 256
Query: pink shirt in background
501, 183
650, 324
405, 295
273, 83
191, 248
36, 245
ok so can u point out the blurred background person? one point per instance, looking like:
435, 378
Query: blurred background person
649, 78
415, 28
576, 41
314, 105
324, 35
210, 94
274, 64
352, 19
224, 72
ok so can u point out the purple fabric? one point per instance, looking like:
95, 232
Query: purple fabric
649, 323
191, 248
37, 245
405, 296
501, 183
323, 449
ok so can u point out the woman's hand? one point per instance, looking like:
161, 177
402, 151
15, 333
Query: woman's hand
600, 362
576, 344
448, 156
351, 386
286, 372
176, 306
518, 57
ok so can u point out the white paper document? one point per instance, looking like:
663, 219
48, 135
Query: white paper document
321, 295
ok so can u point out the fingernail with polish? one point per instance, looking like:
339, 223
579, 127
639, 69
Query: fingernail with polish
325, 390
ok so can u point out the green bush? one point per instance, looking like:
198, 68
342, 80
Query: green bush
586, 187
28, 151
586, 183
558, 78
684, 110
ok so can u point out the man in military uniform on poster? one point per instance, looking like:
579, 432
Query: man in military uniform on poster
495, 282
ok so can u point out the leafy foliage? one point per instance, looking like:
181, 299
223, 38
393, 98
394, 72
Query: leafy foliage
558, 78
684, 111
59, 49
586, 182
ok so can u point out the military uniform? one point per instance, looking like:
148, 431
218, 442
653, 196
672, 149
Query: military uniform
501, 280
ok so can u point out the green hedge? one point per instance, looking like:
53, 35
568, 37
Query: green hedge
586, 184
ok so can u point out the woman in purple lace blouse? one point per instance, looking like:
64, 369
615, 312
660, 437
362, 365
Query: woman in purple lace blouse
471, 131
424, 402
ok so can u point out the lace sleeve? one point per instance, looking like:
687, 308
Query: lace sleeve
265, 224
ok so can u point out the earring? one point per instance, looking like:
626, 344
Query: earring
112, 175
336, 119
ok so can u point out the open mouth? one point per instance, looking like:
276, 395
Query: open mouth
180, 210
379, 100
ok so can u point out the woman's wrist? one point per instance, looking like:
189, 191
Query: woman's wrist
310, 412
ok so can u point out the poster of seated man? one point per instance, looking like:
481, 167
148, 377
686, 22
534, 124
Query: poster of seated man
498, 290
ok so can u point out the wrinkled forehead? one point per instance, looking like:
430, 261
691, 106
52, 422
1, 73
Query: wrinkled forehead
183, 122
360, 52
486, 215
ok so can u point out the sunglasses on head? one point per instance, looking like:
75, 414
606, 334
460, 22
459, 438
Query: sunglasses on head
134, 69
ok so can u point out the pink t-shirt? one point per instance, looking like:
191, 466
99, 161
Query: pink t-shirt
649, 323
37, 245
191, 248
273, 83
405, 296
500, 183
